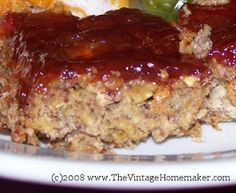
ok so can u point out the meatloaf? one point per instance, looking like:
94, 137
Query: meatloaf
209, 32
92, 84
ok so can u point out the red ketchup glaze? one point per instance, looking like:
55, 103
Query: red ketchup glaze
222, 20
61, 47
224, 46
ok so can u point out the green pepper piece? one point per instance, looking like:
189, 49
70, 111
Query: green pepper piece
167, 9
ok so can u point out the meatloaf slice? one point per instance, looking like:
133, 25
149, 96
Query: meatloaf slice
209, 32
101, 82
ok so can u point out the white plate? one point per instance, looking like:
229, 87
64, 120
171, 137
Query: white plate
214, 156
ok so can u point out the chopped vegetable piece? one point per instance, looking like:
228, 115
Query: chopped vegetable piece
167, 9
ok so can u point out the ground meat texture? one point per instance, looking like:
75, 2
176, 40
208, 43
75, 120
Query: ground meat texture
211, 2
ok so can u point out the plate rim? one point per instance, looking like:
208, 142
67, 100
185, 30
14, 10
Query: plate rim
28, 150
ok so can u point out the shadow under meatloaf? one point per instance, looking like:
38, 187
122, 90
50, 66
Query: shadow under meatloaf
210, 33
101, 82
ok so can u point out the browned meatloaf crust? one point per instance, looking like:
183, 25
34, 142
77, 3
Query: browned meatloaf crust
106, 81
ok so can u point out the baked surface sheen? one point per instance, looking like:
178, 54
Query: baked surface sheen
92, 84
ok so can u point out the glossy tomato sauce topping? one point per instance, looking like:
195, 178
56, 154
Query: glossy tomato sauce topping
222, 20
125, 43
